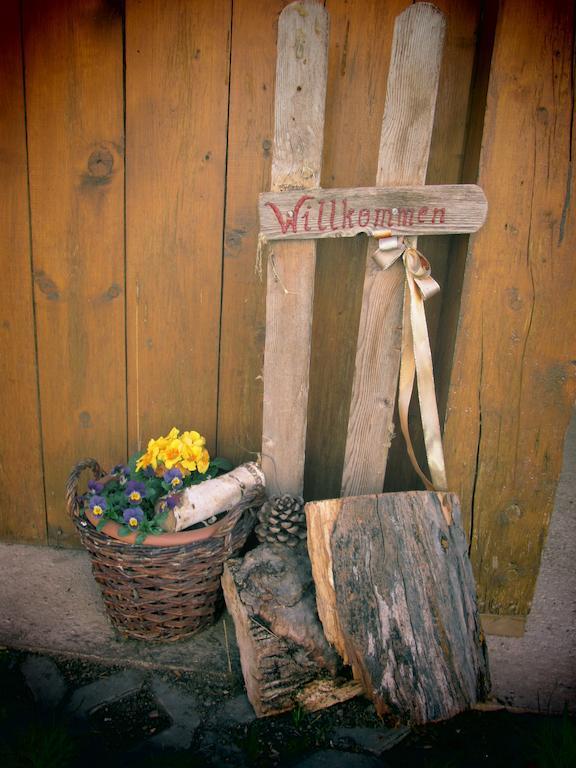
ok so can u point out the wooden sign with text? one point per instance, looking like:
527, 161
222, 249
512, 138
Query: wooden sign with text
423, 210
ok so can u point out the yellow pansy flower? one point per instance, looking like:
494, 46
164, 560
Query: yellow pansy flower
203, 462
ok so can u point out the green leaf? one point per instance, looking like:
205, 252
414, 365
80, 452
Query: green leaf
124, 530
132, 461
140, 537
221, 463
160, 517
101, 523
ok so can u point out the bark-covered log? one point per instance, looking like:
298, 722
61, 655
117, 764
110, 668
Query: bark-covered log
270, 595
397, 595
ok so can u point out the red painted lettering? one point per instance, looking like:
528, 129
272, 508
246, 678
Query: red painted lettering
306, 217
320, 213
406, 217
442, 213
379, 215
422, 215
291, 220
363, 217
347, 215
332, 215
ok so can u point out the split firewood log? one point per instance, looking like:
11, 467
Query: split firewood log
397, 599
285, 657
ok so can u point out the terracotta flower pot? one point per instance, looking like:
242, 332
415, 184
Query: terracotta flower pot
153, 540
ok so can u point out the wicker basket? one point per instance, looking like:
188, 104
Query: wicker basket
162, 593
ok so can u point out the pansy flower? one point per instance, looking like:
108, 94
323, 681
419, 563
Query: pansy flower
124, 473
95, 487
173, 477
172, 500
133, 516
97, 505
135, 491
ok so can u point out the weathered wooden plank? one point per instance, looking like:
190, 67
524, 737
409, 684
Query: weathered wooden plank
404, 595
357, 68
315, 214
459, 113
177, 66
404, 148
22, 513
250, 132
75, 115
296, 160
512, 386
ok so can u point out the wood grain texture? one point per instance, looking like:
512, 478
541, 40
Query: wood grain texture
250, 134
315, 214
298, 134
22, 515
512, 386
403, 157
177, 68
405, 599
321, 519
74, 96
357, 67
459, 117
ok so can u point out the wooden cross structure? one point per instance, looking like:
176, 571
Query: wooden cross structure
297, 212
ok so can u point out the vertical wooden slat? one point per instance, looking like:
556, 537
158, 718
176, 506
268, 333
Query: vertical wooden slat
73, 56
300, 95
22, 506
250, 132
451, 294
177, 66
445, 166
403, 159
513, 384
357, 69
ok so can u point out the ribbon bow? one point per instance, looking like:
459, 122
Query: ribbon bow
416, 357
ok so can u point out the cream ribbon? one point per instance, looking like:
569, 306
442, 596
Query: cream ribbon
416, 357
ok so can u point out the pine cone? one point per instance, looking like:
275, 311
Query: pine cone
282, 520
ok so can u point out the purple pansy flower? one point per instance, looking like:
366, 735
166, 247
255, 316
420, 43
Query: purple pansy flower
133, 516
123, 471
173, 477
135, 491
97, 505
95, 487
171, 501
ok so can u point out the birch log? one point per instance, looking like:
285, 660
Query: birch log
199, 502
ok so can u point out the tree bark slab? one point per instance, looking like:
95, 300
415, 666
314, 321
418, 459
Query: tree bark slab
396, 595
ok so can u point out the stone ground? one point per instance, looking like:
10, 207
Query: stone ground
60, 712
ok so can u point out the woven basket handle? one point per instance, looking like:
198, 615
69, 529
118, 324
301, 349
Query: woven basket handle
72, 501
226, 525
